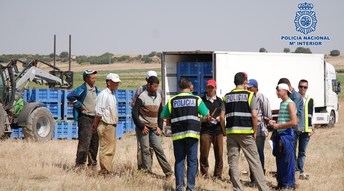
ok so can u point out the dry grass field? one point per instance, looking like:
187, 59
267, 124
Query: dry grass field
49, 166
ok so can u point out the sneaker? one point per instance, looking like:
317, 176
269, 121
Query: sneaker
304, 176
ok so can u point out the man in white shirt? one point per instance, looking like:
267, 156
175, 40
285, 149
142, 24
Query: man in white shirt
105, 122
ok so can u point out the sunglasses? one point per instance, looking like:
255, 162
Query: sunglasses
304, 87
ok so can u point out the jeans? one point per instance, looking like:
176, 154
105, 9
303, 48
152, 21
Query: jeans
154, 141
139, 152
185, 148
260, 141
303, 139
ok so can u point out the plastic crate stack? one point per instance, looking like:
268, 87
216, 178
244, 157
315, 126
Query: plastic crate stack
66, 128
125, 122
197, 72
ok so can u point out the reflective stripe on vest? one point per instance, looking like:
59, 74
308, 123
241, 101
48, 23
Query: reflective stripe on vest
308, 128
239, 114
185, 134
183, 118
240, 130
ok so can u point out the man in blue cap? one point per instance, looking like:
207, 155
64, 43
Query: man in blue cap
264, 110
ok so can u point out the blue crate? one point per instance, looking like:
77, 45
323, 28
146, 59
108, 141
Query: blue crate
124, 95
68, 111
26, 94
189, 68
17, 133
195, 81
55, 108
72, 130
59, 130
46, 95
120, 130
207, 69
128, 123
123, 108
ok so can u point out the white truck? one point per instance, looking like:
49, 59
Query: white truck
266, 68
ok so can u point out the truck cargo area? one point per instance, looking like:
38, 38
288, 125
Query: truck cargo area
195, 66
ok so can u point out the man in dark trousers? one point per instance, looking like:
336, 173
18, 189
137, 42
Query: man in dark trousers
212, 132
183, 111
84, 100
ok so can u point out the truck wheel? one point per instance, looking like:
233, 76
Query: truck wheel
332, 119
2, 121
40, 125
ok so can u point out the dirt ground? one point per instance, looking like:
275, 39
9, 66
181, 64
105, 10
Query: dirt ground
48, 166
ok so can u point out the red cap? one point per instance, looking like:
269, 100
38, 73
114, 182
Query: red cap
211, 83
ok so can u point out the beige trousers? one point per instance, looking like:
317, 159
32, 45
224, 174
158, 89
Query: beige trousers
107, 146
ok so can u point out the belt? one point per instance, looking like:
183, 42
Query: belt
89, 116
108, 123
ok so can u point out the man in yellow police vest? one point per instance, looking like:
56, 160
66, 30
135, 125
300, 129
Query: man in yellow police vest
183, 111
303, 133
241, 124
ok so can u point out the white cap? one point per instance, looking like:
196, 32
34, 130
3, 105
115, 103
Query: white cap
113, 77
283, 86
151, 73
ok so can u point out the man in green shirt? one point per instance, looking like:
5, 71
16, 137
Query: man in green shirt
182, 112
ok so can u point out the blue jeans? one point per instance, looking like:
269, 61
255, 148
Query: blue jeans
185, 148
303, 139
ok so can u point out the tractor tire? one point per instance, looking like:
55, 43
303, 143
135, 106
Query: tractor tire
2, 121
40, 125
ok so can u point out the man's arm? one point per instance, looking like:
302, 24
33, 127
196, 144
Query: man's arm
165, 113
75, 96
293, 118
266, 108
136, 114
202, 108
160, 120
99, 111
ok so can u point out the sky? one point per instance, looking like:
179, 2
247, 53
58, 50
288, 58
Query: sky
142, 26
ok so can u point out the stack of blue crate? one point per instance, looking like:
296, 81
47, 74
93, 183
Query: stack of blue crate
197, 72
17, 133
51, 98
66, 128
124, 100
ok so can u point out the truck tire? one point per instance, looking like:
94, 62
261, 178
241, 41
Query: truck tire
332, 119
40, 125
2, 121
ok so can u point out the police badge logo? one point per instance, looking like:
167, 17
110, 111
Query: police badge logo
305, 19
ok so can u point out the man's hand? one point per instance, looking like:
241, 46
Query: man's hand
158, 131
276, 126
94, 128
145, 130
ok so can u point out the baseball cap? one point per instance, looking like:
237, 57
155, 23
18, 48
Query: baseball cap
88, 72
151, 73
211, 83
113, 77
253, 83
283, 86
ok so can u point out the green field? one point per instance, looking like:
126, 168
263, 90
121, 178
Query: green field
131, 78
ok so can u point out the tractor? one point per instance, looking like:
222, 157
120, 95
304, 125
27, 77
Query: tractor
36, 120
